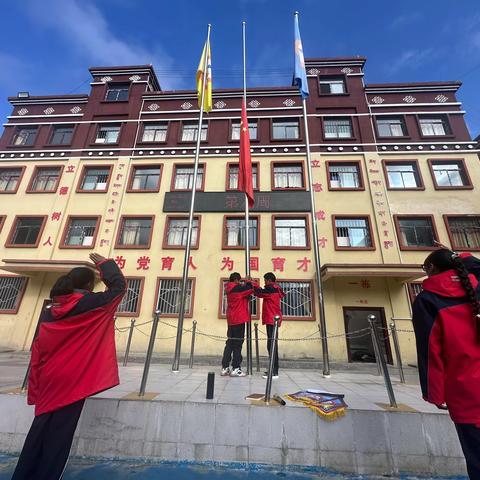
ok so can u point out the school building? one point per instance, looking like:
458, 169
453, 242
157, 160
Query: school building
394, 170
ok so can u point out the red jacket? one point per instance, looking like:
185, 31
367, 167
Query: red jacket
73, 355
238, 296
272, 295
447, 346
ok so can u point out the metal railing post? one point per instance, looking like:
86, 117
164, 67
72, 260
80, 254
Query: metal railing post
376, 352
398, 356
268, 387
25, 378
381, 360
129, 341
256, 347
148, 357
192, 345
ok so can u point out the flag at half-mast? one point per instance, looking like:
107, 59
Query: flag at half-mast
300, 75
207, 88
245, 178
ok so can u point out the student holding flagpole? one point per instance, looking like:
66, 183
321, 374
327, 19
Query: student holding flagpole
300, 80
204, 89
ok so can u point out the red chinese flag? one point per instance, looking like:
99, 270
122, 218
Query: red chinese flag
245, 178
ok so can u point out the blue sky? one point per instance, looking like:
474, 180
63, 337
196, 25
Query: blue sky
47, 45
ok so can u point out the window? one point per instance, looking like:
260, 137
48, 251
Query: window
107, 134
403, 175
10, 179
183, 177
285, 130
391, 127
145, 178
80, 232
434, 126
131, 301
45, 179
62, 135
449, 174
234, 232
344, 176
464, 232
288, 175
232, 180
414, 288
190, 132
155, 132
168, 296
252, 129
135, 232
290, 232
117, 92
11, 292
2, 221
337, 128
26, 231
332, 86
298, 301
176, 232
94, 179
352, 233
24, 136
254, 310
416, 233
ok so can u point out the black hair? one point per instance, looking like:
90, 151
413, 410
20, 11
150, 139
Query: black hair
79, 277
444, 259
234, 277
270, 277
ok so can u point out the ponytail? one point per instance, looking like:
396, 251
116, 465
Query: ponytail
462, 273
63, 286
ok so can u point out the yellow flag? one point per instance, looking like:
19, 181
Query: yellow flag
207, 105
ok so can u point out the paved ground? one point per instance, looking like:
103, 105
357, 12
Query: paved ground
363, 390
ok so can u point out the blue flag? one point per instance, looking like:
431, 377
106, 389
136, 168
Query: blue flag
300, 75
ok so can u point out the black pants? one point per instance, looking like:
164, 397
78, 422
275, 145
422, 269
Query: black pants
233, 346
47, 446
269, 348
469, 436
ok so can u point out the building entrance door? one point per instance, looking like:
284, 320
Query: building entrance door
360, 346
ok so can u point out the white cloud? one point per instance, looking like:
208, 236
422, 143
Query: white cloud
405, 20
411, 59
85, 29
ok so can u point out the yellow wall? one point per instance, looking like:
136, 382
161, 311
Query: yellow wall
16, 331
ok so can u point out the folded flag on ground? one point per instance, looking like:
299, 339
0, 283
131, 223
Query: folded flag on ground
329, 406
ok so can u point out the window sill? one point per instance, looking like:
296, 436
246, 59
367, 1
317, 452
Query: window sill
359, 249
113, 101
345, 94
13, 245
94, 144
178, 247
465, 187
417, 249
274, 247
146, 143
409, 189
345, 189
131, 247
393, 138
433, 137
41, 191
142, 191
91, 191
72, 247
21, 146
229, 247
299, 139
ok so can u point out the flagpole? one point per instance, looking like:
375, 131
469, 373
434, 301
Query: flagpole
247, 218
323, 326
186, 260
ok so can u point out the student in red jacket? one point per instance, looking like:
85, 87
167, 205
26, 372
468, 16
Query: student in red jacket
446, 319
271, 294
73, 357
238, 313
